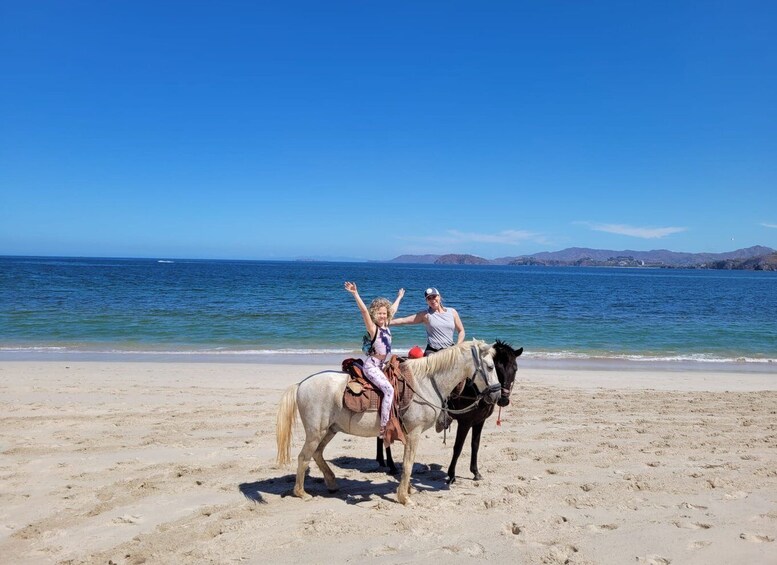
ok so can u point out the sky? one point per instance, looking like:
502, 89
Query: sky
364, 130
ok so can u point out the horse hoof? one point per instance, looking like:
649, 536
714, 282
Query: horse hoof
450, 480
478, 477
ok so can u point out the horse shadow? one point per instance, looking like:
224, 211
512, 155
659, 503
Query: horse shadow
257, 490
429, 478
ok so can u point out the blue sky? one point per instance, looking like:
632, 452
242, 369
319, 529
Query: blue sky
366, 130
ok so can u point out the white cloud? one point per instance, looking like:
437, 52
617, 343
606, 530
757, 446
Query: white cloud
634, 231
764, 224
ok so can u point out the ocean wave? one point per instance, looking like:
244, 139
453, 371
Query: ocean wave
648, 358
182, 352
295, 353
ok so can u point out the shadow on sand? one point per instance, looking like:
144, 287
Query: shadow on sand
351, 491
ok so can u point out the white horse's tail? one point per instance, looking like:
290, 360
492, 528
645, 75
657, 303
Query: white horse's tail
284, 424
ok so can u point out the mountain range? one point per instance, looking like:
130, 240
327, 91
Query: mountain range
757, 257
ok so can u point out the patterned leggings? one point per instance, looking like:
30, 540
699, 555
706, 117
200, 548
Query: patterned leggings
375, 375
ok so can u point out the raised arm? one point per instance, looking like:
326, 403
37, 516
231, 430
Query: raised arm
459, 326
419, 318
368, 323
395, 306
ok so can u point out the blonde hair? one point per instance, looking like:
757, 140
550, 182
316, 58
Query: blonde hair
376, 305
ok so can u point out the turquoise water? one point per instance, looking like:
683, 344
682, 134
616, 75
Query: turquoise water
56, 305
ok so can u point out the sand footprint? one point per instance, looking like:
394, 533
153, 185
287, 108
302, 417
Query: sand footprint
128, 519
559, 554
756, 538
689, 506
699, 544
692, 525
601, 527
472, 550
654, 560
381, 551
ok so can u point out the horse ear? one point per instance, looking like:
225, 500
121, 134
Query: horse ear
518, 351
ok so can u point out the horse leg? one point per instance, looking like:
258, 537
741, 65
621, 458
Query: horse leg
473, 462
411, 443
379, 455
312, 443
318, 455
462, 429
390, 460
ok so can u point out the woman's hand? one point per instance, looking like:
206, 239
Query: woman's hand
351, 287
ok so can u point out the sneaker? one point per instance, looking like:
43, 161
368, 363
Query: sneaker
443, 422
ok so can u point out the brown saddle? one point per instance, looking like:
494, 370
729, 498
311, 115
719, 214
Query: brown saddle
361, 396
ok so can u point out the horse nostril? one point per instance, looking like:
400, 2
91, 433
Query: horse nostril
503, 401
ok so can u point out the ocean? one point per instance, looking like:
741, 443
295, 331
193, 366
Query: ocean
253, 310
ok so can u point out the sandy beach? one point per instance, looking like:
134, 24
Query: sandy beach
147, 462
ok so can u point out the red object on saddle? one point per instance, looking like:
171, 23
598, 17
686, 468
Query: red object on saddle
415, 352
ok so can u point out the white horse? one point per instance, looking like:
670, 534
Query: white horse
319, 401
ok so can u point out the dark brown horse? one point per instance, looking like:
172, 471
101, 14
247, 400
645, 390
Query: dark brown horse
468, 416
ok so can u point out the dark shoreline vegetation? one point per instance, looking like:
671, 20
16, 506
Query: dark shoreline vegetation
757, 258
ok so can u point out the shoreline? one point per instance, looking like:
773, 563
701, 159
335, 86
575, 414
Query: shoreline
262, 374
333, 359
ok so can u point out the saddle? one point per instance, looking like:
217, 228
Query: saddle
361, 396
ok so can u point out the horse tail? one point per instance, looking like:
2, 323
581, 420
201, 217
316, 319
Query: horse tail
284, 424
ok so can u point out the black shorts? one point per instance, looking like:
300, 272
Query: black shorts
429, 349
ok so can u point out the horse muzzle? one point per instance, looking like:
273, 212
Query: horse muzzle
493, 394
504, 399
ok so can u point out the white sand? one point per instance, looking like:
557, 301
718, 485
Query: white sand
175, 463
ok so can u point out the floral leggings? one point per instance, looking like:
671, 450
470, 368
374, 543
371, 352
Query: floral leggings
374, 373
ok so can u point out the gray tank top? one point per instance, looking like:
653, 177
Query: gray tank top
439, 328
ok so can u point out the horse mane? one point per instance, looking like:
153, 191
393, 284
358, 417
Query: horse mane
440, 361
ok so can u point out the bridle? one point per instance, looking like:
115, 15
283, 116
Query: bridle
469, 388
480, 368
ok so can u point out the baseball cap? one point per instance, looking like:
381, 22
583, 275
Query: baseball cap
431, 291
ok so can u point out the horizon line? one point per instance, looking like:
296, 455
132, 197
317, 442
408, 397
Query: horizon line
302, 259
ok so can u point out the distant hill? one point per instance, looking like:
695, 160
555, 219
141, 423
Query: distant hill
426, 259
764, 263
461, 260
654, 257
755, 258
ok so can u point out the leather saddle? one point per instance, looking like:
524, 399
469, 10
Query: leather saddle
361, 396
